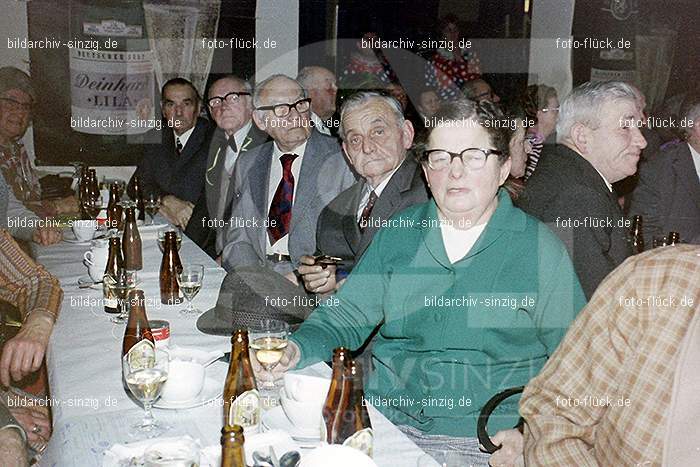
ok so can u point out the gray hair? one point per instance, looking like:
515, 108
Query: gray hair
689, 111
260, 87
309, 74
360, 98
246, 85
584, 104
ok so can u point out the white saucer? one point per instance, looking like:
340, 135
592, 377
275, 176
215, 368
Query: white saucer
275, 419
212, 390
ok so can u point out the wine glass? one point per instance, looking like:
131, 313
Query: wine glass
151, 204
268, 338
92, 205
145, 372
121, 288
190, 281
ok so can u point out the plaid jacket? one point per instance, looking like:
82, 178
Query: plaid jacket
603, 397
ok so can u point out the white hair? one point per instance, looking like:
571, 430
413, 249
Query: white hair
260, 87
584, 104
361, 98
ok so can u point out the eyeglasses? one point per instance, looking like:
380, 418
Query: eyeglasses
282, 110
553, 109
473, 158
231, 98
16, 105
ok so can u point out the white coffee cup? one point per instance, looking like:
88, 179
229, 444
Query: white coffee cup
304, 415
84, 230
305, 388
98, 254
185, 381
96, 272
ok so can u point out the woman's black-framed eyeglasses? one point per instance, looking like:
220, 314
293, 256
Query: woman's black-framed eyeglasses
473, 158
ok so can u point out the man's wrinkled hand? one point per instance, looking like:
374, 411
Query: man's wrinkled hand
24, 353
511, 452
289, 359
35, 423
176, 211
317, 279
47, 235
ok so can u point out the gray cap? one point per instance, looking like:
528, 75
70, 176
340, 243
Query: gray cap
13, 78
250, 294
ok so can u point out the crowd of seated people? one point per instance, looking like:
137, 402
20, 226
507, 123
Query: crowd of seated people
421, 199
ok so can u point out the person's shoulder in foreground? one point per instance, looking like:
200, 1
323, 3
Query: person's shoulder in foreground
621, 387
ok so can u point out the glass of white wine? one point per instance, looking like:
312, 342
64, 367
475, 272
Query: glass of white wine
190, 282
268, 338
145, 374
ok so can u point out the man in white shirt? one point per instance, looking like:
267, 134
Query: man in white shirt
281, 186
320, 85
668, 194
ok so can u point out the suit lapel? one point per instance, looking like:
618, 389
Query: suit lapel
308, 173
685, 171
215, 164
258, 180
351, 231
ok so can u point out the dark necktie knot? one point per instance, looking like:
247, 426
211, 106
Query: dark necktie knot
178, 145
286, 160
367, 211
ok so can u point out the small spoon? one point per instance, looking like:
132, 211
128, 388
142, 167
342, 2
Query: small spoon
290, 459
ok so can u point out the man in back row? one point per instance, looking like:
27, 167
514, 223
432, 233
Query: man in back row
599, 143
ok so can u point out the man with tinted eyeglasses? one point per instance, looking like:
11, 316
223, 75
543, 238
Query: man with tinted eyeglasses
175, 157
230, 104
281, 187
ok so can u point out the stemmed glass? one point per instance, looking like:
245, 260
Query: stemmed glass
190, 281
145, 372
268, 338
121, 288
152, 205
92, 205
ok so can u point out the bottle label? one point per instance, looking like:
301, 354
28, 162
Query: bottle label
362, 440
142, 355
245, 411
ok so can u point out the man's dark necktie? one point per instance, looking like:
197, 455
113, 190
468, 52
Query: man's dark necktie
367, 211
280, 214
178, 146
231, 143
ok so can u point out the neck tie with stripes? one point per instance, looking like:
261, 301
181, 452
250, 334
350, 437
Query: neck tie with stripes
367, 211
280, 214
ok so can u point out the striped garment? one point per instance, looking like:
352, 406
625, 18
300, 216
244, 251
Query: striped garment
533, 156
24, 283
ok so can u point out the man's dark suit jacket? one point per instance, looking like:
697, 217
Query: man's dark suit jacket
668, 195
338, 234
162, 171
205, 207
568, 194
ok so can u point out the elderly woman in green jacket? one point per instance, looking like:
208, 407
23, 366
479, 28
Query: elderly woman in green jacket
470, 294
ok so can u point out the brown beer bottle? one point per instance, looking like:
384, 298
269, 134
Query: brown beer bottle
674, 238
114, 210
241, 398
131, 242
352, 426
232, 440
137, 196
84, 193
341, 356
637, 237
170, 267
138, 344
115, 263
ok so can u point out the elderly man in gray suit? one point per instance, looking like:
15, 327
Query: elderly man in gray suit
376, 138
598, 143
281, 187
668, 194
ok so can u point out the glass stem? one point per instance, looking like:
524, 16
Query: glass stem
189, 305
148, 419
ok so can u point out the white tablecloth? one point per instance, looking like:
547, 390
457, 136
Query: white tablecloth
91, 409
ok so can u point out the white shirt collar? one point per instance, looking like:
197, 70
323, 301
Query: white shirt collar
183, 137
378, 190
696, 158
607, 183
299, 151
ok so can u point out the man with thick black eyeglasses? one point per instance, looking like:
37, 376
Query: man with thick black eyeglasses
230, 104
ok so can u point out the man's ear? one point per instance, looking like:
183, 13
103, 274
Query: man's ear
580, 137
260, 122
407, 134
425, 172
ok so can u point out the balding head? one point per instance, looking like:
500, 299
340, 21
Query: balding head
320, 86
